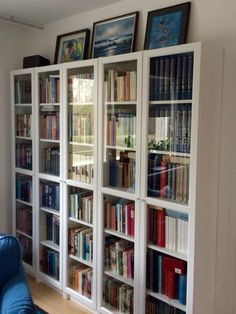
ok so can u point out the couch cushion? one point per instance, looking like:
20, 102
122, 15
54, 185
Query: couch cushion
15, 296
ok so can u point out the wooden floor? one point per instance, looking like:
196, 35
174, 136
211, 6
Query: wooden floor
51, 301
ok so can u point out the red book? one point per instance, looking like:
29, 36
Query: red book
163, 178
170, 284
160, 227
113, 217
173, 265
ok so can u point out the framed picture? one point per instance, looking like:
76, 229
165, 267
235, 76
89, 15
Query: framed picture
167, 27
72, 46
114, 36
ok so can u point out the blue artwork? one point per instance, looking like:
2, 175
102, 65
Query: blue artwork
114, 37
165, 30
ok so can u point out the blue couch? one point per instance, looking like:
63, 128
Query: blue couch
15, 297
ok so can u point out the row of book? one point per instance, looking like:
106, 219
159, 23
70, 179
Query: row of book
24, 188
52, 224
120, 216
49, 262
171, 127
171, 77
119, 295
23, 91
24, 220
121, 129
49, 89
168, 177
169, 229
81, 127
50, 195
23, 125
119, 256
81, 206
121, 172
26, 248
166, 275
155, 306
81, 167
81, 243
81, 279
81, 88
24, 155
120, 85
50, 126
51, 160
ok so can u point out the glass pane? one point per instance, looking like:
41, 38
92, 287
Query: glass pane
49, 262
120, 93
26, 248
81, 124
154, 305
169, 127
22, 85
50, 195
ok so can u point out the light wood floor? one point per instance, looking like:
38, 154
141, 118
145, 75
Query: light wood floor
51, 301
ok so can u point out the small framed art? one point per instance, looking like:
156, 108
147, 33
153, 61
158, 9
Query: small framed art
114, 36
72, 46
167, 26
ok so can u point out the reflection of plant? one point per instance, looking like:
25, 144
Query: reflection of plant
129, 141
161, 145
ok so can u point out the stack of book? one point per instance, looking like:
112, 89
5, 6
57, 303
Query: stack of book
120, 85
120, 216
50, 262
169, 229
51, 160
80, 88
81, 167
52, 228
119, 295
81, 206
171, 77
24, 220
24, 188
24, 155
81, 277
50, 195
49, 89
23, 91
23, 125
168, 177
166, 275
50, 125
121, 129
119, 256
154, 306
81, 127
121, 172
81, 243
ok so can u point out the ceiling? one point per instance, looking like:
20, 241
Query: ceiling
41, 12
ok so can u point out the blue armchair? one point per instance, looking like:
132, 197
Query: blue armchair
15, 297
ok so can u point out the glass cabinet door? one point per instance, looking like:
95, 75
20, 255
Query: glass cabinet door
81, 124
119, 133
169, 127
49, 122
23, 161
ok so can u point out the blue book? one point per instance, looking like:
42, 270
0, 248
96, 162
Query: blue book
182, 288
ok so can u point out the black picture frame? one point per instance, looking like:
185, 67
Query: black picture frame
76, 42
114, 36
167, 26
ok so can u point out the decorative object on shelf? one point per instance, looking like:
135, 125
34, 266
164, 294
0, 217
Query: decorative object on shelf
72, 46
167, 26
114, 36
34, 61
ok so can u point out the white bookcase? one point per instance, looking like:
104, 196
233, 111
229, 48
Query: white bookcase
135, 209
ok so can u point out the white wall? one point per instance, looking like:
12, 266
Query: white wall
11, 52
213, 21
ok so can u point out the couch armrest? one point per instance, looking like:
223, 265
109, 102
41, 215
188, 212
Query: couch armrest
15, 296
